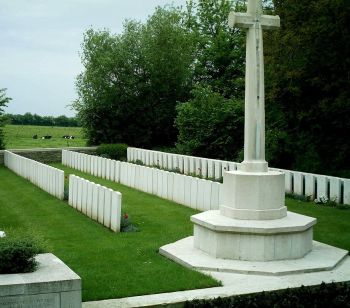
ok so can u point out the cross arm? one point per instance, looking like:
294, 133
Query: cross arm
240, 20
269, 22
244, 20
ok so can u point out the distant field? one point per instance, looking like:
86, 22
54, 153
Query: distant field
21, 136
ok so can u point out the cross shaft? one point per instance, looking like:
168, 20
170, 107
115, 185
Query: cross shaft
254, 123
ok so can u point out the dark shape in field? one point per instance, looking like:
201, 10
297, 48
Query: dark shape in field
46, 137
35, 137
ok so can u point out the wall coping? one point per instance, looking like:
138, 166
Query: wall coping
48, 149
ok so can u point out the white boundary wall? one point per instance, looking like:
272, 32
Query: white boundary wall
46, 177
193, 192
299, 183
95, 201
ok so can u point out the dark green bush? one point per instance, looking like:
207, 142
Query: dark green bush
17, 255
116, 151
324, 295
210, 125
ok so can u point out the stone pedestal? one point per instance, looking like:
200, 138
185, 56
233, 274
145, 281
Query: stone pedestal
253, 195
253, 233
253, 223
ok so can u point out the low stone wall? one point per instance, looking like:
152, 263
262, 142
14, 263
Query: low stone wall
47, 155
52, 285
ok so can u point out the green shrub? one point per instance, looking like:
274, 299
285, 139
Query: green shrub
17, 255
324, 295
116, 151
210, 125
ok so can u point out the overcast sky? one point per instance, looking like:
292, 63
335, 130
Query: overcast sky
40, 41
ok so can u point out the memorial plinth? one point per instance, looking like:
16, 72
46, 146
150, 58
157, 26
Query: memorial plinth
253, 195
52, 285
253, 240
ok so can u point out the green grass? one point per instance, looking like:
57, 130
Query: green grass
21, 136
333, 224
127, 264
110, 265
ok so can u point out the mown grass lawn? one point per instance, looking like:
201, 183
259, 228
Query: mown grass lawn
333, 224
127, 264
110, 265
21, 136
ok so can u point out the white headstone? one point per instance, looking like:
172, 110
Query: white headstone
322, 186
181, 163
298, 183
100, 205
335, 189
85, 188
186, 165
164, 181
310, 186
346, 199
214, 201
107, 208
187, 192
194, 192
116, 211
217, 169
95, 200
89, 198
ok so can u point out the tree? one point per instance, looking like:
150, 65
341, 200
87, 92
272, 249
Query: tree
4, 100
308, 86
132, 82
210, 125
220, 55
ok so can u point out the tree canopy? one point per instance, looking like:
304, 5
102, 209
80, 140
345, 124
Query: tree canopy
185, 66
132, 82
308, 86
35, 119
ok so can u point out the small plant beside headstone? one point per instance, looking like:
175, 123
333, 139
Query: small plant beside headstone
326, 202
126, 225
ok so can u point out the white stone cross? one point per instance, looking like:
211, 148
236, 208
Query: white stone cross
254, 122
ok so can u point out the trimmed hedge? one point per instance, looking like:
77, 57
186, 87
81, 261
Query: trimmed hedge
113, 151
17, 255
324, 295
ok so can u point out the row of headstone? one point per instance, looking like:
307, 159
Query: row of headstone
97, 202
190, 165
187, 190
98, 166
193, 192
298, 183
46, 177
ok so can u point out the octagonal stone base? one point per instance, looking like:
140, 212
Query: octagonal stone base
254, 240
321, 258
